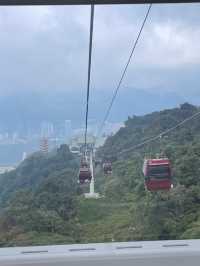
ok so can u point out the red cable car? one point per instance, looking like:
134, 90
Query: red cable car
157, 173
85, 174
107, 168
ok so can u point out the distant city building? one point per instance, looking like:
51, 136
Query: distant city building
68, 129
24, 156
77, 144
47, 129
14, 137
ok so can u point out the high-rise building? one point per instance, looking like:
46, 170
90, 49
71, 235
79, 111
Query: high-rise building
68, 129
47, 129
14, 137
24, 156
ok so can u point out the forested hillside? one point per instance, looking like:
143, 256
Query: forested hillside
38, 199
41, 202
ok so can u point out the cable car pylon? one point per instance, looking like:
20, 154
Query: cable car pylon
92, 194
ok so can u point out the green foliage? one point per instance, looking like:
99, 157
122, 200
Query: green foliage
40, 196
42, 204
161, 215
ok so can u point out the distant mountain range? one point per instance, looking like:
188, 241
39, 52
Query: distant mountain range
28, 109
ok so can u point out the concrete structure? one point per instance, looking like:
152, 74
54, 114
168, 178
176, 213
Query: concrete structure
88, 2
92, 194
78, 142
147, 253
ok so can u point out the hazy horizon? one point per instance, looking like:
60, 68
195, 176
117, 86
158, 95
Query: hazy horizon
44, 52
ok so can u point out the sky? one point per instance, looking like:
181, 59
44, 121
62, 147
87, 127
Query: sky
44, 51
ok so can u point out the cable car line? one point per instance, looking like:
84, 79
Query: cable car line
157, 172
107, 166
124, 71
89, 74
85, 173
161, 134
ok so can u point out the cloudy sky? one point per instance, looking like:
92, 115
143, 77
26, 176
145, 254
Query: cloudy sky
45, 49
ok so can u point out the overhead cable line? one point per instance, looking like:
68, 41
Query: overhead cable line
89, 73
161, 134
124, 71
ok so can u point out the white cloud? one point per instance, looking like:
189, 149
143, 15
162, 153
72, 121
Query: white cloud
23, 18
170, 45
47, 47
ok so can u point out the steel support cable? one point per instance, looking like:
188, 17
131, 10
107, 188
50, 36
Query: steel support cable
161, 134
124, 71
89, 74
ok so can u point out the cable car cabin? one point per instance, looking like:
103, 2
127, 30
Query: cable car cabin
157, 173
107, 168
85, 174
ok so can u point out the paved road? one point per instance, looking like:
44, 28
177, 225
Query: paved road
157, 253
112, 261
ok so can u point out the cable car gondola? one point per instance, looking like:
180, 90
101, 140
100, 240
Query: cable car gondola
157, 173
107, 168
85, 174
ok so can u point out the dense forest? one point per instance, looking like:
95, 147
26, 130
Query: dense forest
42, 203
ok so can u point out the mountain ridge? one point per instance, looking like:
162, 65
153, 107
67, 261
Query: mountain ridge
34, 108
41, 202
